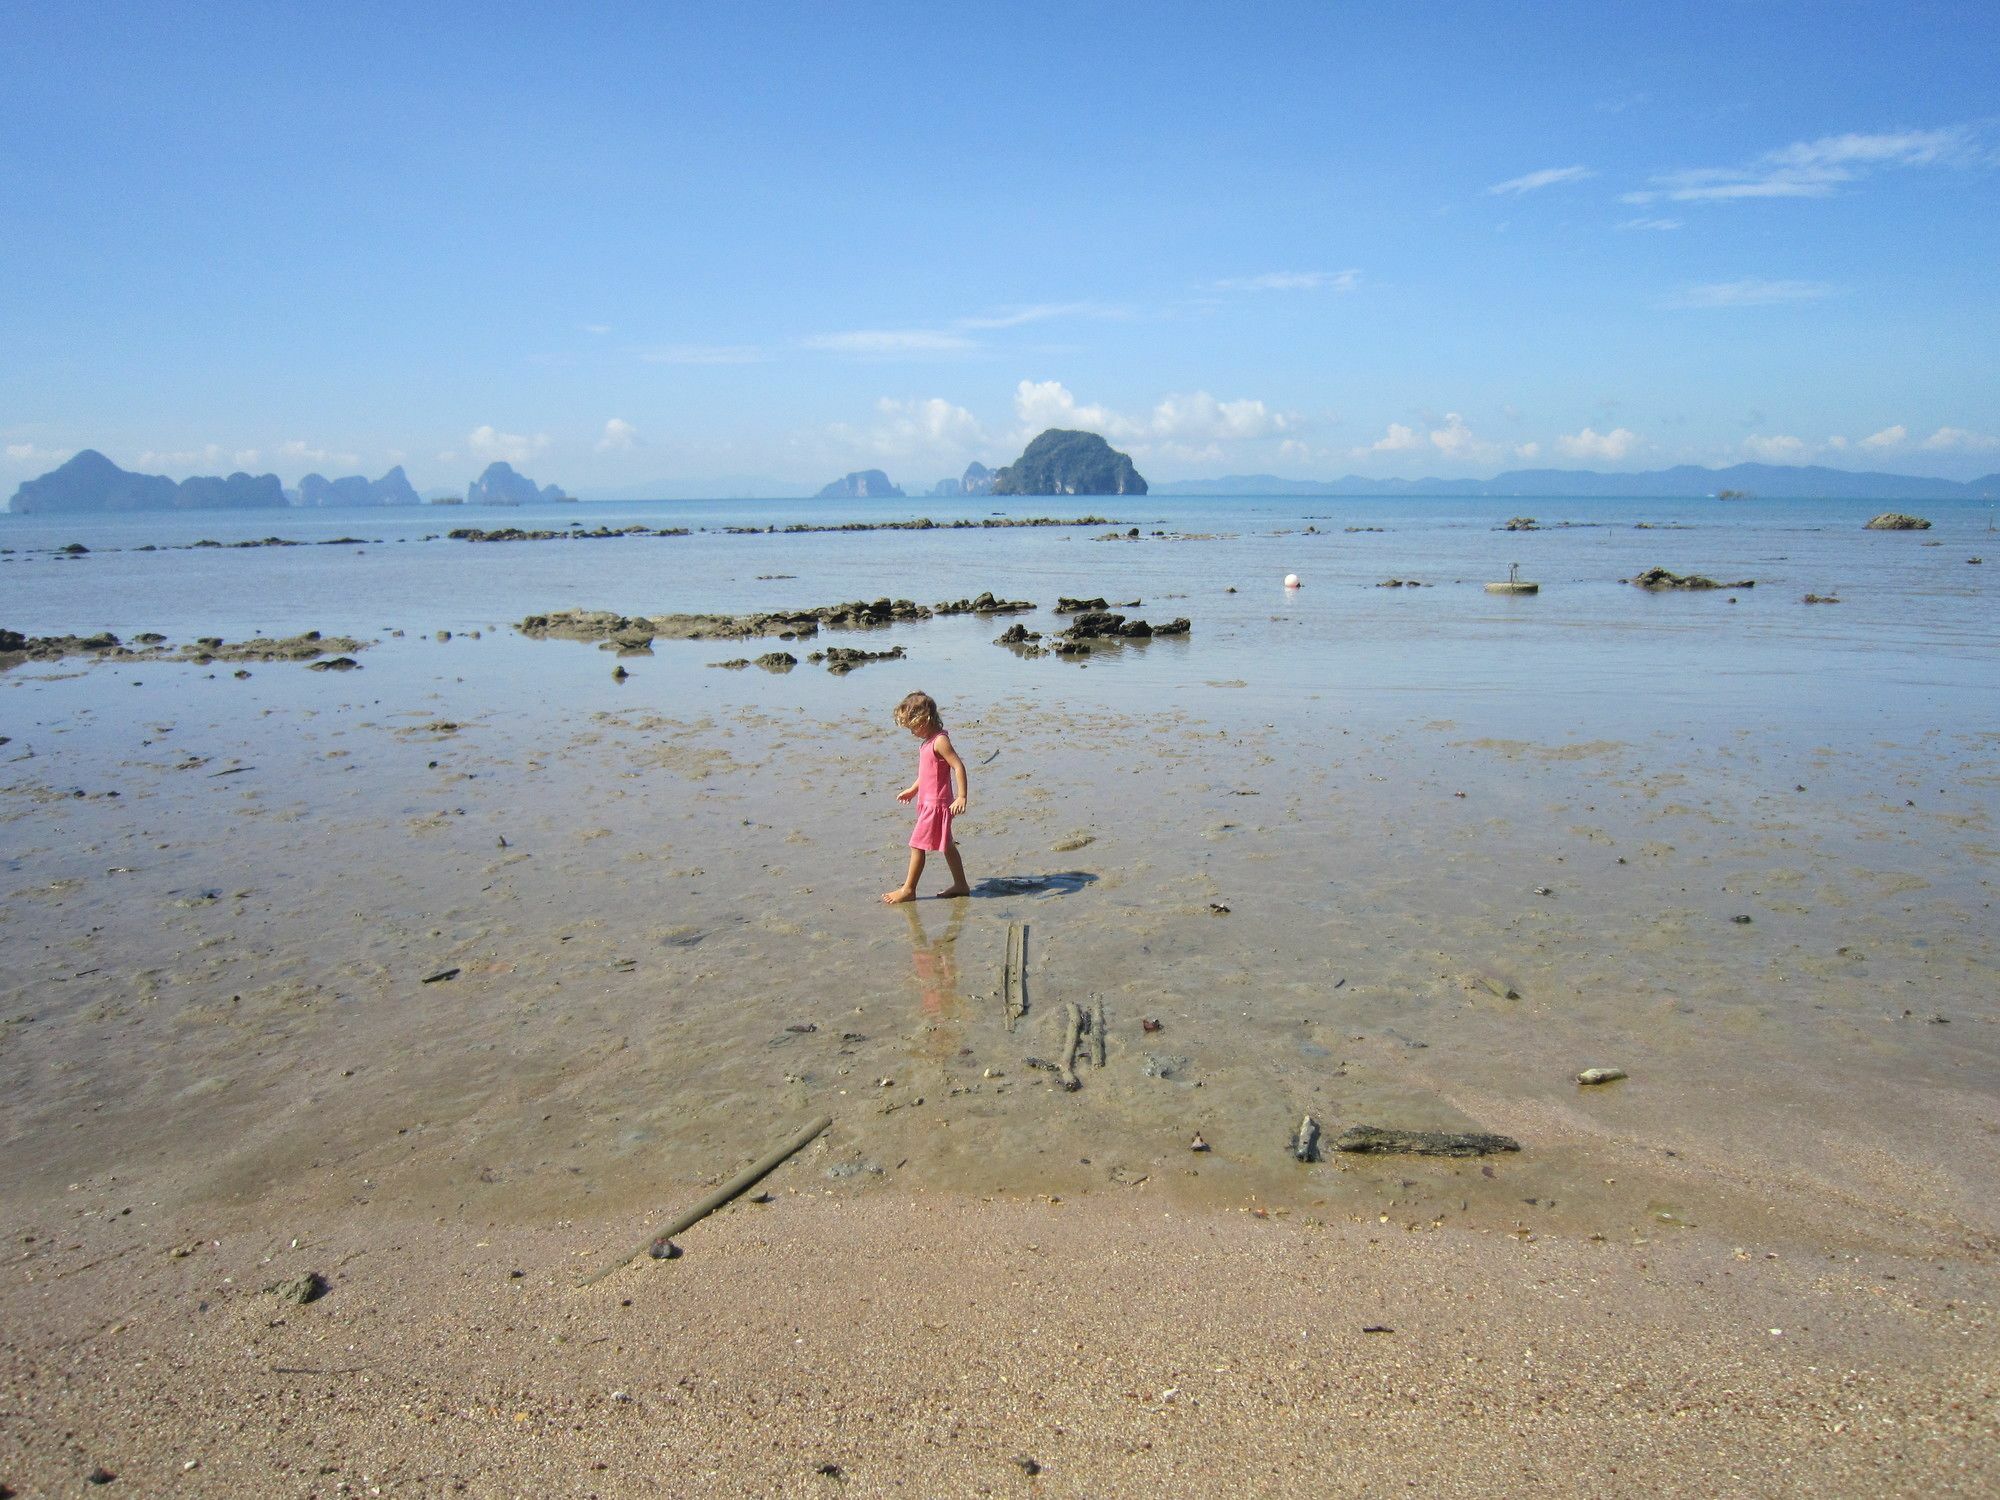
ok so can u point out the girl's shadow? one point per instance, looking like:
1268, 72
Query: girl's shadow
1067, 883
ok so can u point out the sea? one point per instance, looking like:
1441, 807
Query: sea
1912, 637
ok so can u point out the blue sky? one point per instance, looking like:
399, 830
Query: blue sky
627, 247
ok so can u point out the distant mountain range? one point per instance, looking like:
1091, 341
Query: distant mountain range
1686, 481
91, 484
393, 488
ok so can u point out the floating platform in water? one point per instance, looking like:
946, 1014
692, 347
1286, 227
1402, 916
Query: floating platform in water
1513, 583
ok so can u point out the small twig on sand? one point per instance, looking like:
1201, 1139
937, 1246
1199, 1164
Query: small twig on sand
656, 1244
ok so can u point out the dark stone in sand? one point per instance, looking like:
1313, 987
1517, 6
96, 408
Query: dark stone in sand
1377, 1139
300, 1289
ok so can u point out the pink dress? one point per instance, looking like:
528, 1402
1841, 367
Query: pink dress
934, 799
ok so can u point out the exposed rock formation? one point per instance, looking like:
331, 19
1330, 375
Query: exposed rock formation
502, 485
862, 484
393, 488
1061, 462
90, 482
1896, 521
1660, 578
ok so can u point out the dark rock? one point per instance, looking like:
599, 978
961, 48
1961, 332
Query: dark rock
1891, 521
1068, 606
1377, 1139
335, 664
843, 659
777, 661
1521, 523
300, 1289
1660, 578
984, 604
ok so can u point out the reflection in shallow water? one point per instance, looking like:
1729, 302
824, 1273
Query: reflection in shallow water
934, 958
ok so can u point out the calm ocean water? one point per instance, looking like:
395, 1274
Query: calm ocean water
1912, 643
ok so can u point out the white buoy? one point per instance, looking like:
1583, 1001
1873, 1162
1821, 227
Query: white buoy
1291, 580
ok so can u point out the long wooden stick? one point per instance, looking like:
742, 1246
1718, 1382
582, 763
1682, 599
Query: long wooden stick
1015, 976
743, 1180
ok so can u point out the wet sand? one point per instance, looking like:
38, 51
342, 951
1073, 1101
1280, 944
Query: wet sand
216, 1016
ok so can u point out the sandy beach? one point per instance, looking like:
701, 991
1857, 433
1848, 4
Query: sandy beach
376, 979
917, 1343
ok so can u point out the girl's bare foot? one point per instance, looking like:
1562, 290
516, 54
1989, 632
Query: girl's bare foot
899, 895
951, 890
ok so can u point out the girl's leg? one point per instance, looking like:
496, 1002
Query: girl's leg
958, 887
907, 891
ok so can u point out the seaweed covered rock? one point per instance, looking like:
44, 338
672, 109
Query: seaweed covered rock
1897, 521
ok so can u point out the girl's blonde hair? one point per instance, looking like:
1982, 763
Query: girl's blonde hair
917, 711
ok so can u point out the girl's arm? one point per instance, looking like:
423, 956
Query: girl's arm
958, 776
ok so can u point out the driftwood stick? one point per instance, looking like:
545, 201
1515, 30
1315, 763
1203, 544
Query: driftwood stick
1014, 977
1066, 1059
741, 1182
1097, 1032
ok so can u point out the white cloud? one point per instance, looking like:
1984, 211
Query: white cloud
932, 422
1837, 443
1813, 169
298, 451
619, 436
1888, 437
508, 447
246, 458
1946, 438
1751, 292
597, 328
1527, 450
29, 453
926, 429
1656, 224
1610, 446
1039, 312
1293, 281
1776, 449
1191, 418
882, 342
1396, 439
1041, 404
1535, 181
1201, 418
1454, 439
703, 354
181, 458
1450, 439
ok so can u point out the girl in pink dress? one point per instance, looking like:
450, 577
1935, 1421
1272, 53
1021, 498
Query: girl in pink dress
938, 769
